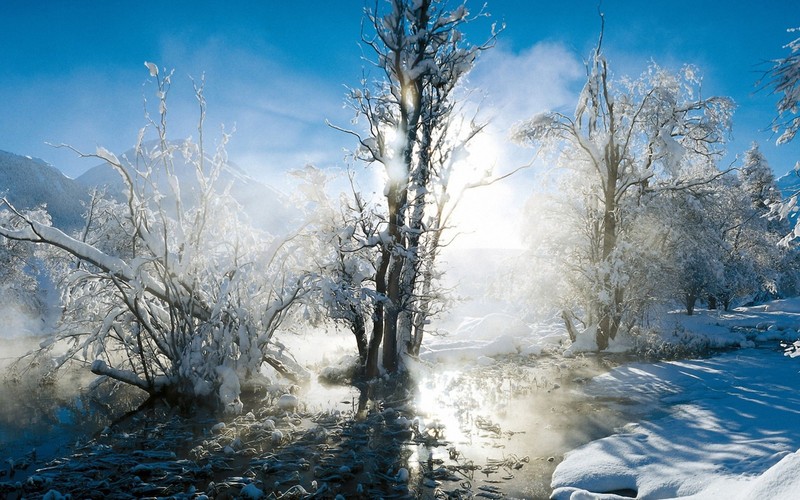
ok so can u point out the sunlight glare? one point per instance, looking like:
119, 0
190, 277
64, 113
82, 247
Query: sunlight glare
487, 216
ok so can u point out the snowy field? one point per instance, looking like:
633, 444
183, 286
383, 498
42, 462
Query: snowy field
726, 429
719, 427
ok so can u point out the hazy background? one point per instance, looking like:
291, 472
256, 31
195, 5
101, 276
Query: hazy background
276, 71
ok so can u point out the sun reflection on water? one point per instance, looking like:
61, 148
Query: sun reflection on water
506, 425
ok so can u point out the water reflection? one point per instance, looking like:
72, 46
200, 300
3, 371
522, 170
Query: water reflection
497, 429
508, 425
39, 422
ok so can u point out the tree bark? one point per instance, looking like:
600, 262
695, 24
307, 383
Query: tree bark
690, 299
371, 370
610, 313
359, 329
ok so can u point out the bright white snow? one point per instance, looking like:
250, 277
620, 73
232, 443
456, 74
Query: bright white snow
722, 427
726, 430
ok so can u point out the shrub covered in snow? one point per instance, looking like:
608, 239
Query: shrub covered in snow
171, 291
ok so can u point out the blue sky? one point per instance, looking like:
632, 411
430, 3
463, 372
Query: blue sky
72, 72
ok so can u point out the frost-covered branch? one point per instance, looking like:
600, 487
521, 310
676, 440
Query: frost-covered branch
174, 293
784, 79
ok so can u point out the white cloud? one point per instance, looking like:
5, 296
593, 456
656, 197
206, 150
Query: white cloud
519, 85
279, 110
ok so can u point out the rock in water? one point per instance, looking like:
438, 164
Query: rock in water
402, 475
287, 402
251, 492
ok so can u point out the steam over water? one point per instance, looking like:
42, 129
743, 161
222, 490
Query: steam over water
512, 422
502, 427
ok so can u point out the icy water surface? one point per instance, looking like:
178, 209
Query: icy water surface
41, 421
509, 425
491, 432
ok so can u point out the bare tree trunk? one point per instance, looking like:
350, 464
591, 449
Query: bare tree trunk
421, 316
425, 298
371, 370
690, 299
609, 320
573, 335
397, 199
424, 250
359, 329
391, 315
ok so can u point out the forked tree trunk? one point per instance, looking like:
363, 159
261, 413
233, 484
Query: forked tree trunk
371, 369
397, 198
610, 313
420, 48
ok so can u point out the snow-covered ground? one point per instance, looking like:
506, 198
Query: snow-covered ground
726, 428
720, 427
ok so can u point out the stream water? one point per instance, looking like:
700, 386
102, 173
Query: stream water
494, 431
515, 420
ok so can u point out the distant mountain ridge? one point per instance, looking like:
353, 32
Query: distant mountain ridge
30, 182
788, 184
266, 207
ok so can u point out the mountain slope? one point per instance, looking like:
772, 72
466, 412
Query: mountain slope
788, 184
30, 182
266, 207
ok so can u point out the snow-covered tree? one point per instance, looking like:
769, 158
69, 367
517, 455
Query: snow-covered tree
343, 236
784, 79
173, 292
415, 133
758, 181
628, 140
722, 244
752, 255
20, 290
693, 244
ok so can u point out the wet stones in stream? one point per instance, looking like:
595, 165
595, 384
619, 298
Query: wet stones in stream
394, 449
262, 454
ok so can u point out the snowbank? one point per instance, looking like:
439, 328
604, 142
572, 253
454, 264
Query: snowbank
467, 350
675, 333
776, 320
483, 339
728, 432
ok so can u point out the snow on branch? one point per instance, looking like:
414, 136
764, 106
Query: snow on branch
784, 79
36, 232
100, 367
